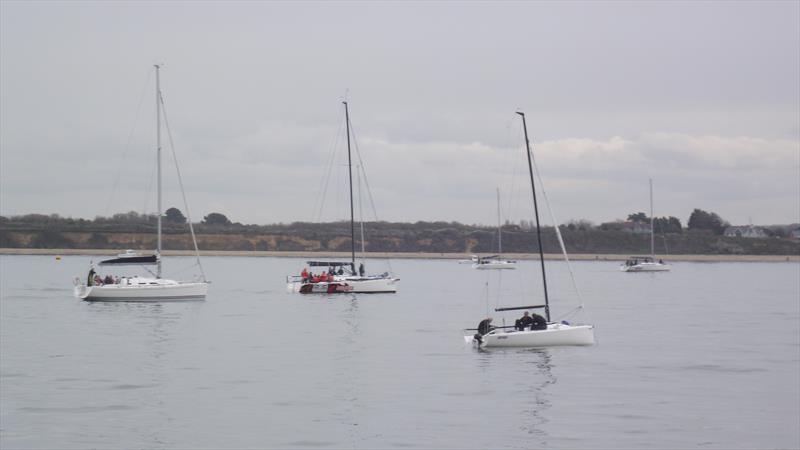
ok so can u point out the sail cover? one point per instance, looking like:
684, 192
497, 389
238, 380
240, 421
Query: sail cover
328, 263
130, 261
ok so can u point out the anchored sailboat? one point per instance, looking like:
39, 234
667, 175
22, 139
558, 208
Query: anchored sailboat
646, 263
494, 261
341, 277
551, 333
143, 289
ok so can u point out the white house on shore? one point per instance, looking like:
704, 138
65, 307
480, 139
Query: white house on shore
746, 231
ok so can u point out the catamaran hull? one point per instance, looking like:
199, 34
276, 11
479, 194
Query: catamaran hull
555, 335
355, 285
157, 293
495, 266
373, 285
324, 288
646, 267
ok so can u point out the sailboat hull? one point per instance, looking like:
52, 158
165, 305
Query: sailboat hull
646, 267
495, 265
357, 285
556, 334
154, 290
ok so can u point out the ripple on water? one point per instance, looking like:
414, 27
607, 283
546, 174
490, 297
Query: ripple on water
718, 368
76, 409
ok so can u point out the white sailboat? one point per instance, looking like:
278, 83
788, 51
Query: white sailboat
494, 262
152, 288
342, 277
646, 263
555, 333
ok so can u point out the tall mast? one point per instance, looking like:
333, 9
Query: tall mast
350, 171
499, 230
652, 230
536, 212
158, 163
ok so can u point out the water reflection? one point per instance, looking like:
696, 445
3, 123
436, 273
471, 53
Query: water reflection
151, 330
531, 399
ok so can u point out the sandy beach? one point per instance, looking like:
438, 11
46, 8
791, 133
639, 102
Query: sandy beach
411, 255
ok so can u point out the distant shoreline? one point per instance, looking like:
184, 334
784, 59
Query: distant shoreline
410, 255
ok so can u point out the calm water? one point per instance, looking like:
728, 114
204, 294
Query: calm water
707, 356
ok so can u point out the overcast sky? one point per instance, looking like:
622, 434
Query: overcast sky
702, 97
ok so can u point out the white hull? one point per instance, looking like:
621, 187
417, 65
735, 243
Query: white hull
143, 290
556, 334
495, 265
358, 285
645, 267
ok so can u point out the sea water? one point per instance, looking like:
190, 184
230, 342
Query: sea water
705, 356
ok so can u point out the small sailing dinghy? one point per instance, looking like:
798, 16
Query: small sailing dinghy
136, 288
646, 263
555, 333
338, 276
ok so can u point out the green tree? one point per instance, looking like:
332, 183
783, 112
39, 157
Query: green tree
638, 217
216, 219
669, 224
703, 220
174, 215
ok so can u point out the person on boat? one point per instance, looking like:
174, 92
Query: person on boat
484, 327
108, 280
98, 281
523, 322
304, 274
341, 270
90, 278
538, 322
361, 270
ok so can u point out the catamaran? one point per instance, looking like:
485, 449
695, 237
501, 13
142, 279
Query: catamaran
338, 276
555, 333
152, 288
646, 263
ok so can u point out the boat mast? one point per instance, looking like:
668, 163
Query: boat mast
536, 212
652, 230
158, 163
499, 229
350, 171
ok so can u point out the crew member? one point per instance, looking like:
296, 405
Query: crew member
484, 327
523, 322
538, 322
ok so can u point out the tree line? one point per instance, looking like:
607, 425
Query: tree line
217, 232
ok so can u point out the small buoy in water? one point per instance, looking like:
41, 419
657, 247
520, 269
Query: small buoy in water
58, 258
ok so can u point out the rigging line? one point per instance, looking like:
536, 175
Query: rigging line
127, 144
361, 216
322, 190
180, 183
149, 188
558, 231
499, 287
366, 183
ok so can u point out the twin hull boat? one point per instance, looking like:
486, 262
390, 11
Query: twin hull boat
351, 284
646, 264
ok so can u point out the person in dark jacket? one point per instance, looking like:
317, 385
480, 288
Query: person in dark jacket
538, 322
484, 327
523, 322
